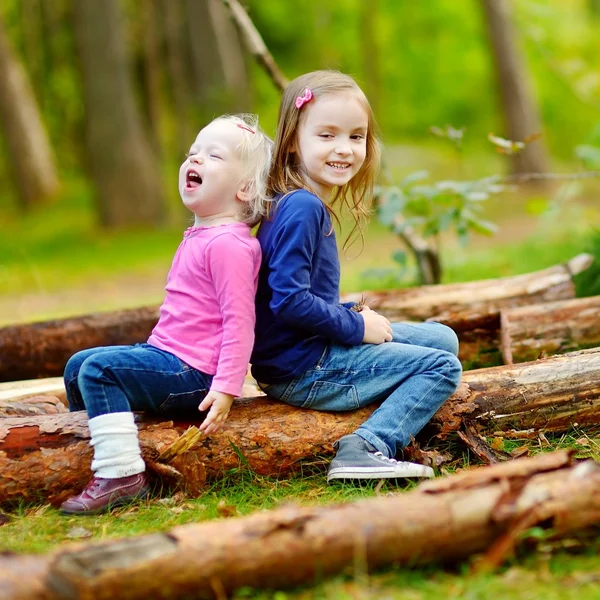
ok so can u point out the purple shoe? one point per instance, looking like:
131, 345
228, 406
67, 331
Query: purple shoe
101, 495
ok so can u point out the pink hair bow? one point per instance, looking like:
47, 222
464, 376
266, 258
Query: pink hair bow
306, 97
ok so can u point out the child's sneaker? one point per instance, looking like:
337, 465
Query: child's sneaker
101, 495
357, 459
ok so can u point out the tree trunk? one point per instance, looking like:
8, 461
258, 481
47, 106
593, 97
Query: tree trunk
483, 510
124, 168
30, 154
529, 332
42, 349
48, 456
177, 75
518, 106
231, 54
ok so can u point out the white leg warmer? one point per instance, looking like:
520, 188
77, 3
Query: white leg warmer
116, 446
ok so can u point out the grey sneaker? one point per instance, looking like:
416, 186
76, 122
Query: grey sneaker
357, 459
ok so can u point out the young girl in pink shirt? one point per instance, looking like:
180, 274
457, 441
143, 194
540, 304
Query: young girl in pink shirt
197, 355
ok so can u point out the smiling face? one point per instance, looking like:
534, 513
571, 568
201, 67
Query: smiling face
211, 179
332, 140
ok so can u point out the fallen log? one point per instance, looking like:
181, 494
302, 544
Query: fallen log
484, 296
32, 350
478, 333
43, 404
482, 510
33, 397
549, 395
529, 332
48, 457
42, 349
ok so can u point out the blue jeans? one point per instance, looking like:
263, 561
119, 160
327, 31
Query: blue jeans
134, 378
413, 375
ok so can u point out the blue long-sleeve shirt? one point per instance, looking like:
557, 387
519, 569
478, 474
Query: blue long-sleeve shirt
298, 311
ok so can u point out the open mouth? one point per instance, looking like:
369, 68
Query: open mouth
339, 166
192, 180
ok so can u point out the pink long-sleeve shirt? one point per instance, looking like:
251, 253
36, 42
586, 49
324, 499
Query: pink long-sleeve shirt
207, 318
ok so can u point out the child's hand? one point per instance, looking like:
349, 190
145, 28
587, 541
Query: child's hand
377, 328
219, 405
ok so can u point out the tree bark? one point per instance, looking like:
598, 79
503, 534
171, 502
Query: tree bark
483, 510
42, 349
30, 154
123, 166
529, 332
517, 103
48, 457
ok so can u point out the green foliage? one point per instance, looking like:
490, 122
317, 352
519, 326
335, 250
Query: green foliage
587, 283
437, 207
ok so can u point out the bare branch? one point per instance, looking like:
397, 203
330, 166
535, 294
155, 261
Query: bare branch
255, 44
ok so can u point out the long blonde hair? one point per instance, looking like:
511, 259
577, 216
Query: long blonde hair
285, 174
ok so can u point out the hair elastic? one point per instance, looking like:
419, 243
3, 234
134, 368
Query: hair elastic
306, 97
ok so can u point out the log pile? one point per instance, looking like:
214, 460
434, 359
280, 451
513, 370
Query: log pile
472, 309
480, 511
48, 457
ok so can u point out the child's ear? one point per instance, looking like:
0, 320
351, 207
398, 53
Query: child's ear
243, 194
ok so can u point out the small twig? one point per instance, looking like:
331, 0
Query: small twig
182, 444
255, 43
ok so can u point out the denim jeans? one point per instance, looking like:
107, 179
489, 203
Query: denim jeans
134, 378
412, 376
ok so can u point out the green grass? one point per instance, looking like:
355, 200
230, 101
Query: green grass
541, 569
57, 262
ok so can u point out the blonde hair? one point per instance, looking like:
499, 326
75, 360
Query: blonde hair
285, 174
256, 150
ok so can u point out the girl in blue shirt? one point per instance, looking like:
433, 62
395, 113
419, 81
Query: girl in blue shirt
311, 351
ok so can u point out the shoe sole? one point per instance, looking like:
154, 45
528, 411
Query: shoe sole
118, 502
353, 473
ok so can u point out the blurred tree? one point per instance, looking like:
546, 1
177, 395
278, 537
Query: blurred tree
151, 69
594, 8
178, 79
371, 57
517, 103
123, 166
30, 154
217, 59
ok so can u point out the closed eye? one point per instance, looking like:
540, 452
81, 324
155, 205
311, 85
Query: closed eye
216, 156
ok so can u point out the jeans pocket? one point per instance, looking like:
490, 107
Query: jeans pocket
328, 395
184, 403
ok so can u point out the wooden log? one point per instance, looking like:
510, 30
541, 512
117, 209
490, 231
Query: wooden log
33, 397
483, 510
478, 333
485, 296
529, 332
42, 349
43, 404
33, 350
548, 395
48, 457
